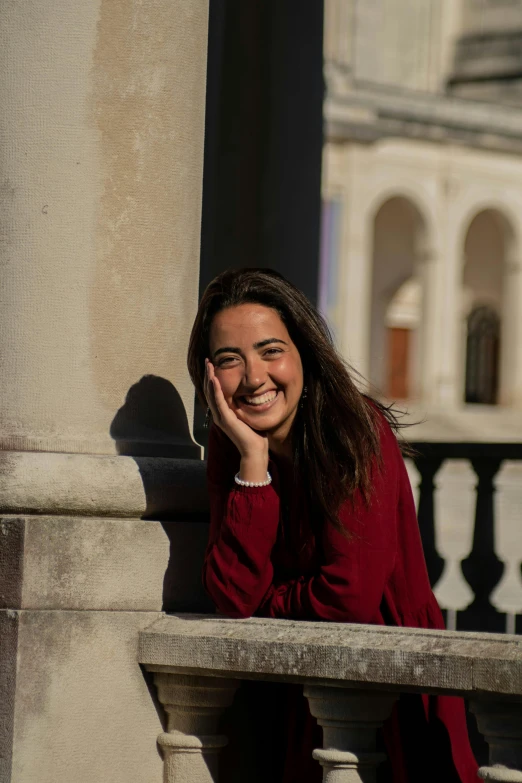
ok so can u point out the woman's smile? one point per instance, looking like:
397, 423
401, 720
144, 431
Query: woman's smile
259, 403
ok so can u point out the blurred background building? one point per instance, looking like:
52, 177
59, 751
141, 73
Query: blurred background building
421, 273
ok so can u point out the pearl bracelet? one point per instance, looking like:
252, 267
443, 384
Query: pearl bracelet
253, 483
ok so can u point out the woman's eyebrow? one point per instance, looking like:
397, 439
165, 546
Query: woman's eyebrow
261, 344
268, 341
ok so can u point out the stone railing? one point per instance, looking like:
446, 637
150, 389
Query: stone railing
482, 568
352, 675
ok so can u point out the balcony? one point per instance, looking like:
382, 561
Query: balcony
352, 675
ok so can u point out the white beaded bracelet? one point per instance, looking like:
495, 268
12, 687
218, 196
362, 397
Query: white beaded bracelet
253, 483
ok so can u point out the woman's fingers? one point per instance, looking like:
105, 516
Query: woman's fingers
226, 418
219, 397
221, 413
210, 391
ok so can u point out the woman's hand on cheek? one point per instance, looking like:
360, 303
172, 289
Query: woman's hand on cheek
251, 445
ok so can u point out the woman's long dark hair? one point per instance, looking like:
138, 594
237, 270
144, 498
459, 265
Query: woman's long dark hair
336, 431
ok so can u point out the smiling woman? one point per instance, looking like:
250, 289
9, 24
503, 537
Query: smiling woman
262, 378
331, 440
312, 515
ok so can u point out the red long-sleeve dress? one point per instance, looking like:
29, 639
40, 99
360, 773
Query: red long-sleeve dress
266, 557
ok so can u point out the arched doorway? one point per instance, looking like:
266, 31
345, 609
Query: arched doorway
486, 320
482, 356
402, 327
399, 238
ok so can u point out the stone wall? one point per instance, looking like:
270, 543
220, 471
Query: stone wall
102, 124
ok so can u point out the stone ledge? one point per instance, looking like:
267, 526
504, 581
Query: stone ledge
368, 112
102, 564
405, 659
103, 486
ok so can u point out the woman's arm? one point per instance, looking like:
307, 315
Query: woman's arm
350, 582
237, 571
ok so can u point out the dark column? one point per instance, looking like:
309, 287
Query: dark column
292, 170
262, 180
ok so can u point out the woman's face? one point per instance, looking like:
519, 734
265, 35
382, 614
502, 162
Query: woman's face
258, 367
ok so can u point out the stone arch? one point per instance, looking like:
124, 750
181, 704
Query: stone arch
401, 242
489, 244
411, 192
506, 217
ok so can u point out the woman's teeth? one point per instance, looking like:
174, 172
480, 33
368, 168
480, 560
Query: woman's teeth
261, 399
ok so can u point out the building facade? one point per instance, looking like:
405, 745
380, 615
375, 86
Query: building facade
421, 268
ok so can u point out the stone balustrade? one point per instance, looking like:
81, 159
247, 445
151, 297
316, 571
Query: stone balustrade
352, 675
482, 569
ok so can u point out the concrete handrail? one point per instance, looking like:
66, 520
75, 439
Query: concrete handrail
400, 658
345, 668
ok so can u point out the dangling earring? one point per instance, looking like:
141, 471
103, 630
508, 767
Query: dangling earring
304, 395
208, 418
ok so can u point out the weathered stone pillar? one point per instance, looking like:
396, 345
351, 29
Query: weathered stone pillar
193, 705
102, 126
501, 724
350, 719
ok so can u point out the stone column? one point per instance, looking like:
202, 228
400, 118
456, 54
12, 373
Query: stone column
102, 126
511, 337
355, 272
350, 719
447, 371
338, 33
191, 744
501, 724
431, 275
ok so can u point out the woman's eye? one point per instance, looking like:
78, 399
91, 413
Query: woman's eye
273, 351
227, 360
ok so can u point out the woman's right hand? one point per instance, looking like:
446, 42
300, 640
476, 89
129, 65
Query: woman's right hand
252, 446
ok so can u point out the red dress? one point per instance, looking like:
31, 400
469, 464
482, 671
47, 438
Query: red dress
263, 558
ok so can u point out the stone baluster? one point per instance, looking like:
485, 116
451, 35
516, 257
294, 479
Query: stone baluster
501, 725
192, 743
428, 467
350, 719
482, 568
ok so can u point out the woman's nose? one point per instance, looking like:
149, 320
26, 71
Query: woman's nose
255, 373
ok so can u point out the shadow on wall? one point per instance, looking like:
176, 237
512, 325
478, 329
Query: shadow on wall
152, 422
152, 428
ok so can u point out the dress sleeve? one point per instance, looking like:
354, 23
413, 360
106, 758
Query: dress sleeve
237, 571
356, 564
